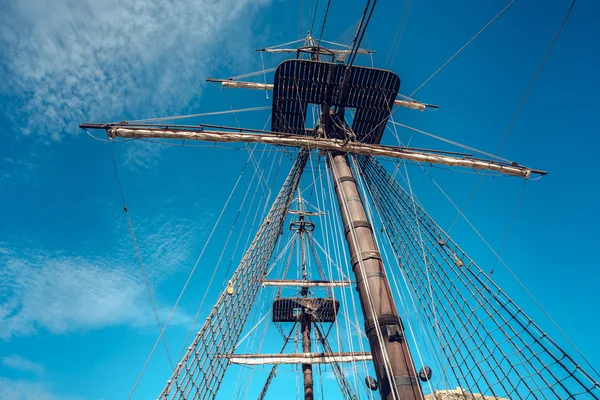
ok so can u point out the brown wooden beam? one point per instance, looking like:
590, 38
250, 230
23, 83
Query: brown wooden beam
298, 358
310, 142
392, 361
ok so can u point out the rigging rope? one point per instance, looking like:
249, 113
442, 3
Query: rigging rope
361, 30
337, 232
398, 36
490, 342
138, 254
510, 221
216, 268
370, 216
450, 141
177, 117
324, 22
520, 107
204, 361
160, 336
314, 16
462, 48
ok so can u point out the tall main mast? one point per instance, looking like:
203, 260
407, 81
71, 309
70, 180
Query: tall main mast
391, 356
336, 87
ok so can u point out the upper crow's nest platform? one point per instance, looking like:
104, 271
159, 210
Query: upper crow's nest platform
371, 92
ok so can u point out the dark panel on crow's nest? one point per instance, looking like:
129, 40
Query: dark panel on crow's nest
299, 82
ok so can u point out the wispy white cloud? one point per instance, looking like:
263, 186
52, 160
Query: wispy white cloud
63, 294
26, 390
67, 61
22, 364
66, 293
141, 155
60, 293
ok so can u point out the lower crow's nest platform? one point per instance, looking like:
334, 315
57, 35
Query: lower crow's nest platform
289, 310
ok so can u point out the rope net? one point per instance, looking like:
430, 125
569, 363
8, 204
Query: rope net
201, 370
489, 345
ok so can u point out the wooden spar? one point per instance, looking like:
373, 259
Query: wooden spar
298, 358
324, 51
302, 283
326, 144
246, 85
414, 105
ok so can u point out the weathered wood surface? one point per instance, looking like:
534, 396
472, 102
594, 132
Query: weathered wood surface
326, 144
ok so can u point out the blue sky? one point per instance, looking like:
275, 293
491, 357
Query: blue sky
75, 321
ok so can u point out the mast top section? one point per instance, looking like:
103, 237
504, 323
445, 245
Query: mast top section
313, 49
370, 91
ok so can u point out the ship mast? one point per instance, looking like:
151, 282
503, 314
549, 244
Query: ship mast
305, 318
391, 356
392, 360
336, 88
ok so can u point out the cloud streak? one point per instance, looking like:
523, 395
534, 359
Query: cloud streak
25, 390
61, 293
21, 364
64, 294
68, 61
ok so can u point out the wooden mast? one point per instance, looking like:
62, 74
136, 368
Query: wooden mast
305, 318
393, 364
391, 356
328, 144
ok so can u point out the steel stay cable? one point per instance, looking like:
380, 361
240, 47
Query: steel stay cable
520, 107
262, 247
336, 230
255, 164
243, 202
510, 221
189, 278
328, 218
491, 284
138, 253
314, 16
255, 73
369, 296
391, 270
420, 235
243, 339
176, 117
462, 48
360, 31
253, 224
399, 34
328, 229
416, 259
370, 216
428, 276
537, 74
330, 292
449, 141
273, 369
324, 22
420, 318
190, 331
